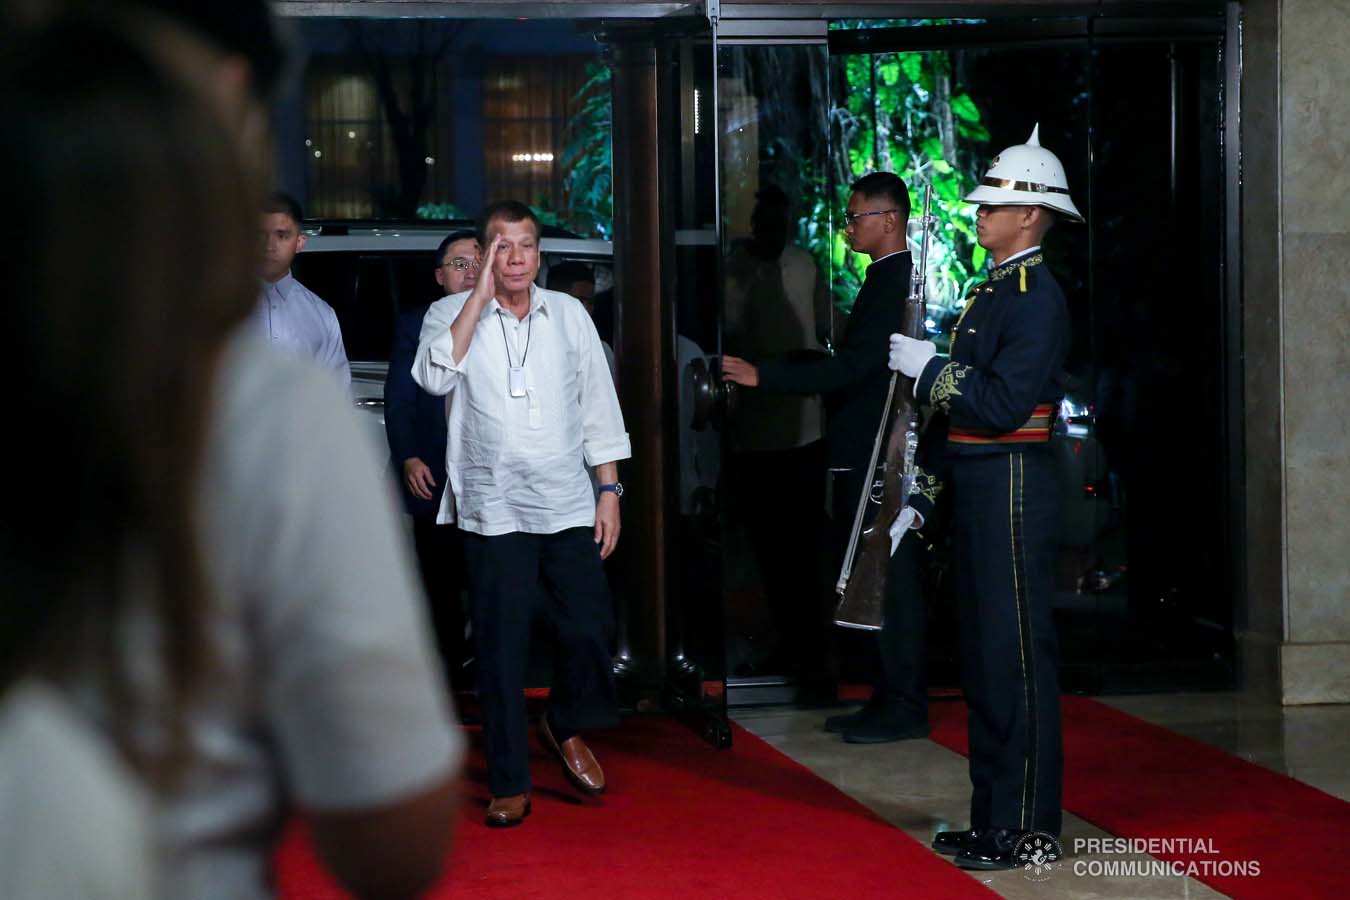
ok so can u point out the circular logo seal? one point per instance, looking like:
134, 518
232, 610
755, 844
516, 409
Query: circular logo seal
1037, 854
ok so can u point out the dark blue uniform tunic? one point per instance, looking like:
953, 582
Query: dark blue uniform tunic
994, 403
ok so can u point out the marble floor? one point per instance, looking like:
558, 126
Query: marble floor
922, 787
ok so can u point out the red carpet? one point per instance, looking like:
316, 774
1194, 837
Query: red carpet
681, 819
1133, 779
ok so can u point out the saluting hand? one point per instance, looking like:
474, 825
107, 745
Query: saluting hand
486, 287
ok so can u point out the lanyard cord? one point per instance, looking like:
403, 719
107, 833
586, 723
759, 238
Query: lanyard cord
529, 328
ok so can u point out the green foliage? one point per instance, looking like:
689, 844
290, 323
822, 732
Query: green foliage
440, 211
546, 214
913, 66
964, 107
861, 24
587, 158
904, 113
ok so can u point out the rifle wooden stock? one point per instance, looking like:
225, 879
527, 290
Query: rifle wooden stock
862, 580
863, 598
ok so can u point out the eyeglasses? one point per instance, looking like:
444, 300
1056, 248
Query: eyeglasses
850, 218
460, 264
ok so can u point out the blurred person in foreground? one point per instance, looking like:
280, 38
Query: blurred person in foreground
414, 422
324, 694
104, 613
531, 405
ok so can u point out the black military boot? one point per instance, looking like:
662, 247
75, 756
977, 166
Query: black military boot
952, 843
887, 722
992, 850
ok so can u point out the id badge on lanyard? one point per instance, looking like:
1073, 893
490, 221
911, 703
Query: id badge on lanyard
515, 375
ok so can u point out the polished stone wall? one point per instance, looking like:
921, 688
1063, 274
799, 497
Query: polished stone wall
1297, 335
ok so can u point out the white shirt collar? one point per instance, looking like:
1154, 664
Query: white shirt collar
282, 286
888, 256
538, 303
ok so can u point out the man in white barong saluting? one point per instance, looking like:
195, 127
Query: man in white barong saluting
533, 404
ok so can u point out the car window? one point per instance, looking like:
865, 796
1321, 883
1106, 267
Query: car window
330, 275
368, 291
361, 291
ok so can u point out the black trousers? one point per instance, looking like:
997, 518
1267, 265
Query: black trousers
1004, 527
780, 496
504, 576
440, 557
902, 683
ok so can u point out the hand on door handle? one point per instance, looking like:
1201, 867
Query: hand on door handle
738, 371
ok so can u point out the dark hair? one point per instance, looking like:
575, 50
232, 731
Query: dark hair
114, 378
243, 27
886, 186
507, 211
454, 237
566, 274
282, 202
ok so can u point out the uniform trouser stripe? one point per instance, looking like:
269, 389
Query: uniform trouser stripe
1026, 656
1004, 526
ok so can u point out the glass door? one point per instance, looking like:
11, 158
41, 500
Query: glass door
687, 97
776, 247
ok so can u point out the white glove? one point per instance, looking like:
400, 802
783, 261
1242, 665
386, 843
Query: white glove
906, 520
909, 356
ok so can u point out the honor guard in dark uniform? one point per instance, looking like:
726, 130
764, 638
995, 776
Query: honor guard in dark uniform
996, 399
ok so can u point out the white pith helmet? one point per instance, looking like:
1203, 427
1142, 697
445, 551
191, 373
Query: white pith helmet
1027, 175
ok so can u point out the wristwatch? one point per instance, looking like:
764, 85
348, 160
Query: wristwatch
616, 489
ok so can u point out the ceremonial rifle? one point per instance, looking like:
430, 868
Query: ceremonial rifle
862, 580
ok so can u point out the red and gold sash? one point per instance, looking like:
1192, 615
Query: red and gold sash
1036, 430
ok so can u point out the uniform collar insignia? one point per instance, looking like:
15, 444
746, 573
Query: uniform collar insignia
1007, 269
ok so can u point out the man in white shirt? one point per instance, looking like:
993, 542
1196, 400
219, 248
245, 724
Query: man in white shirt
534, 404
291, 317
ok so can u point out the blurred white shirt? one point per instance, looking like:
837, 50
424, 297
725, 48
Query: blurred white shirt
519, 463
325, 693
77, 822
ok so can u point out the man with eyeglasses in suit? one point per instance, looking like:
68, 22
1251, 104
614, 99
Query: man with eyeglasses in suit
854, 382
414, 422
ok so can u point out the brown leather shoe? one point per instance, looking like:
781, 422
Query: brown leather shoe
578, 764
503, 812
